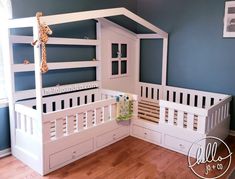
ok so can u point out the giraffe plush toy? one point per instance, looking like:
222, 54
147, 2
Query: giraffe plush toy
44, 31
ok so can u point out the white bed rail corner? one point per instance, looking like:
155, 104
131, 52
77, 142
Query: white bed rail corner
68, 121
191, 97
179, 115
107, 94
26, 120
218, 113
150, 92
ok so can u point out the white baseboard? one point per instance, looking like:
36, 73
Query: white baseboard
5, 152
232, 133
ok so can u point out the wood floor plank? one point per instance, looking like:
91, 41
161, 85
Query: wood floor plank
128, 158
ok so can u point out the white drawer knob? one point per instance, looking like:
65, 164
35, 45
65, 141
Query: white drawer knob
181, 146
74, 155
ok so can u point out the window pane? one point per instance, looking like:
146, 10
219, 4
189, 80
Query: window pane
124, 50
114, 50
115, 68
124, 67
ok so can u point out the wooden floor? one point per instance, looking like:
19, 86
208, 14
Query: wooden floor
129, 158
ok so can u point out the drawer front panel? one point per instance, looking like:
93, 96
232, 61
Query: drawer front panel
154, 136
177, 144
71, 153
112, 136
148, 134
139, 131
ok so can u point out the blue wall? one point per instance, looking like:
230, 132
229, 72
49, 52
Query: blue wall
26, 8
4, 129
199, 56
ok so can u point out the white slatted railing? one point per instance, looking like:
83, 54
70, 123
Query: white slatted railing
218, 113
151, 92
68, 121
180, 115
26, 120
190, 97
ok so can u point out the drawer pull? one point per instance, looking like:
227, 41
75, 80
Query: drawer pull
74, 154
181, 146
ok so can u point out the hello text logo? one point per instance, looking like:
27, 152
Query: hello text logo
211, 161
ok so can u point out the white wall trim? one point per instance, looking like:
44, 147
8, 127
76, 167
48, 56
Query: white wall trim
232, 133
3, 103
5, 152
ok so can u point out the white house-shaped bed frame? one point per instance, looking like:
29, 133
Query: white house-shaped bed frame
175, 117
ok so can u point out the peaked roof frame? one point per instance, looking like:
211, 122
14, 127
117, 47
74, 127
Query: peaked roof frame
87, 15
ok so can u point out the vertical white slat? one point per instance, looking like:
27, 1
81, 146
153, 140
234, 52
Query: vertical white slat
28, 124
227, 112
80, 121
177, 97
46, 131
24, 123
49, 106
106, 113
66, 103
59, 128
162, 114
199, 101
89, 98
89, 119
192, 99
155, 96
185, 96
190, 121
74, 99
165, 95
201, 124
98, 115
219, 116
144, 91
208, 101
19, 119
113, 111
171, 95
82, 99
212, 120
149, 92
57, 105
180, 119
171, 116
70, 124
222, 113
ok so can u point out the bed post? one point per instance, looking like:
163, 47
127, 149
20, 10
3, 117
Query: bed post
8, 62
98, 54
38, 85
164, 63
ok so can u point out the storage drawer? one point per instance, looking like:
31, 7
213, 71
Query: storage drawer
112, 136
177, 144
144, 133
71, 153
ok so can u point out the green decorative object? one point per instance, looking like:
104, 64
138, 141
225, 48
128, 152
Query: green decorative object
124, 107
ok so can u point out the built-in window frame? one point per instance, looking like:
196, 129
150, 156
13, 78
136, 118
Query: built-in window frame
119, 59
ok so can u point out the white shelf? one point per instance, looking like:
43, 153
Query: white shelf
54, 40
56, 66
27, 94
